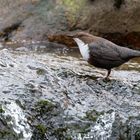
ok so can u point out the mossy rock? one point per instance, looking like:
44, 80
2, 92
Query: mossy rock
62, 133
41, 129
40, 71
39, 132
81, 129
137, 134
44, 106
93, 115
43, 103
1, 109
6, 134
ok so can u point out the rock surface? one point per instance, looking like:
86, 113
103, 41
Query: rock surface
117, 20
47, 92
60, 96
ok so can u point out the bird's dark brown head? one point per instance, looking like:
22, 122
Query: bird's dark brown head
85, 37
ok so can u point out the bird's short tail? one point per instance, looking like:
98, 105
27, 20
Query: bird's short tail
129, 53
133, 54
136, 53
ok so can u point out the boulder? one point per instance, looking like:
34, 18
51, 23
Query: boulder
117, 20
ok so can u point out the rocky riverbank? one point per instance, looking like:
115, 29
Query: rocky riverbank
59, 96
47, 91
116, 20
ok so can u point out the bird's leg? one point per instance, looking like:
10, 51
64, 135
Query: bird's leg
108, 73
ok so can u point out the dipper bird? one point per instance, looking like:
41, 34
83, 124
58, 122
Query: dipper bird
101, 52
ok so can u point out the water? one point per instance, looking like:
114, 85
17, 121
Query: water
17, 120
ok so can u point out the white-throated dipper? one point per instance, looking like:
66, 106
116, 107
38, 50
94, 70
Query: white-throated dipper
101, 52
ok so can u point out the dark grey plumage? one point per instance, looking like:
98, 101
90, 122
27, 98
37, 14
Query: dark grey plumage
105, 54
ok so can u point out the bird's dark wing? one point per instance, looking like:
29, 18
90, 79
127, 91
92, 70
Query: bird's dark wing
110, 51
105, 54
105, 50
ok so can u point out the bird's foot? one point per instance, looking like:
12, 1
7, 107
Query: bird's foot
106, 79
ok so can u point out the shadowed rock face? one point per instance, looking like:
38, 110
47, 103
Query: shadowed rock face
62, 39
39, 18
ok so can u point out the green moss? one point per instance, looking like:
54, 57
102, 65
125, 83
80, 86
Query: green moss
93, 115
44, 106
68, 138
74, 9
43, 103
40, 71
73, 4
1, 109
40, 131
41, 128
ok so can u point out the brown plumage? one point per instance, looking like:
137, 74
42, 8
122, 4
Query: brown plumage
103, 53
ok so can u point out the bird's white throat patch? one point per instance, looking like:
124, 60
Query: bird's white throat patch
84, 48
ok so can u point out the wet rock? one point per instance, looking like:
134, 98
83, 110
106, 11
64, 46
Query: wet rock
27, 20
6, 33
48, 116
62, 39
93, 115
40, 132
12, 122
62, 97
